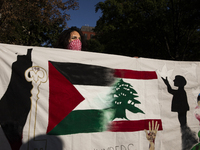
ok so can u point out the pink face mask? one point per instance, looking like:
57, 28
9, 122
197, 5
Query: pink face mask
75, 45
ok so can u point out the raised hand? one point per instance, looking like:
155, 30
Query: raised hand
165, 81
152, 134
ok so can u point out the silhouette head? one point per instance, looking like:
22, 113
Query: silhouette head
179, 81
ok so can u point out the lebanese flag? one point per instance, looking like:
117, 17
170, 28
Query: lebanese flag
81, 100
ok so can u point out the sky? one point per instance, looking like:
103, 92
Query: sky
85, 15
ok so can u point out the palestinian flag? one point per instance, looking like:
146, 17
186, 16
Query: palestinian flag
88, 98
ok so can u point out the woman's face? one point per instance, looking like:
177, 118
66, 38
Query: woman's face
74, 35
198, 103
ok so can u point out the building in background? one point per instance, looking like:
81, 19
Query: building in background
88, 32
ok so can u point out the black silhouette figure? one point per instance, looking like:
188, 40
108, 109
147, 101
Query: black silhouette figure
179, 100
15, 103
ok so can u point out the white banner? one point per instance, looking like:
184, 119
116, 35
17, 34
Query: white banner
71, 100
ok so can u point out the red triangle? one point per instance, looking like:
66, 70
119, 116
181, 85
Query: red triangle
63, 97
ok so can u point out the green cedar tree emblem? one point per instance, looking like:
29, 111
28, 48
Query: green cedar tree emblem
124, 98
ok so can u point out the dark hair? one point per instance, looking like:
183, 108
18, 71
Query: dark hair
64, 37
198, 98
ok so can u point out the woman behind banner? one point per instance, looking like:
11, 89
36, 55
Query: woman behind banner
71, 38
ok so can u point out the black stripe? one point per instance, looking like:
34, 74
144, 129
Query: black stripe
82, 74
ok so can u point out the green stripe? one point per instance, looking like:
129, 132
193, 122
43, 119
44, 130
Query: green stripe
84, 121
